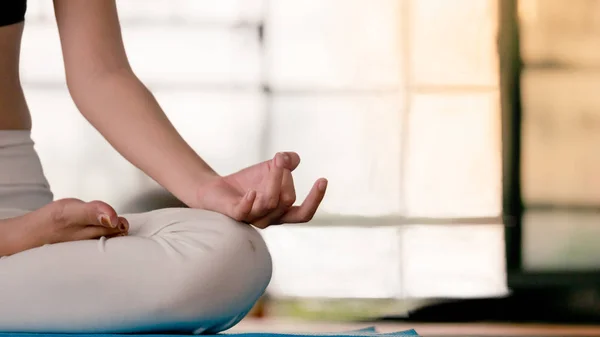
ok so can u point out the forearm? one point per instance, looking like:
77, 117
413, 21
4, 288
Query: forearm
126, 113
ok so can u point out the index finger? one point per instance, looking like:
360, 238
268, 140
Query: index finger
306, 211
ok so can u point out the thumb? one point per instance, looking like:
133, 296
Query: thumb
224, 199
241, 209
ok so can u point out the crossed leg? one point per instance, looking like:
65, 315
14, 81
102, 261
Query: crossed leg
178, 270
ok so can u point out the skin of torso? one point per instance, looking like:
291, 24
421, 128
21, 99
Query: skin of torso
14, 113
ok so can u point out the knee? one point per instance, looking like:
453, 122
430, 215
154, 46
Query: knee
229, 251
225, 266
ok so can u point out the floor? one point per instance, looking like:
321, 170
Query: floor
479, 329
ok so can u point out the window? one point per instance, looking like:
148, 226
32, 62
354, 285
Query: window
395, 101
561, 134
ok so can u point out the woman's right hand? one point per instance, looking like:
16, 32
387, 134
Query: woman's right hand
60, 221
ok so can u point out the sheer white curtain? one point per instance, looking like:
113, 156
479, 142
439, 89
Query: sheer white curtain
395, 101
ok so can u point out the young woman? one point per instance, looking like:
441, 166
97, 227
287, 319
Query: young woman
75, 266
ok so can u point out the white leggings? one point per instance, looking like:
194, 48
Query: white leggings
179, 270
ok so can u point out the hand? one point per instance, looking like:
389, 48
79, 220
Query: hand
61, 221
262, 194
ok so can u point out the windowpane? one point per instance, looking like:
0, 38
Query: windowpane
80, 163
146, 10
453, 164
560, 33
168, 11
454, 42
453, 261
358, 263
354, 141
77, 161
41, 40
159, 55
180, 54
560, 241
226, 129
336, 70
561, 137
333, 44
231, 11
40, 10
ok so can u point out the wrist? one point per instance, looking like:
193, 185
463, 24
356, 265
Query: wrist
191, 190
205, 191
13, 237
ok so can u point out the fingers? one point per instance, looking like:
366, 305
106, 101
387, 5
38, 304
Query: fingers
306, 211
74, 212
242, 209
104, 214
270, 219
291, 160
273, 200
288, 191
77, 212
95, 232
123, 225
268, 199
72, 220
274, 181
123, 228
287, 198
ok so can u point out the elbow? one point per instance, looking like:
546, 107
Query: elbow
83, 78
95, 85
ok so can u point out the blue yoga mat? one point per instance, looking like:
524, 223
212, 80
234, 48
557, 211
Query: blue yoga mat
366, 332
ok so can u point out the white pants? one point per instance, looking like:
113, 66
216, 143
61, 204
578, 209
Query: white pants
179, 270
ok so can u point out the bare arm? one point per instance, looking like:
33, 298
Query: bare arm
121, 108
111, 97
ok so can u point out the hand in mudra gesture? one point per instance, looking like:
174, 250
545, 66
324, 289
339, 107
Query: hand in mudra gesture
262, 194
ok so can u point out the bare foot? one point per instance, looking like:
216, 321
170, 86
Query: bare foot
60, 221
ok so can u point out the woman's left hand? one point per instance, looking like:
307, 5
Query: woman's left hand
262, 194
